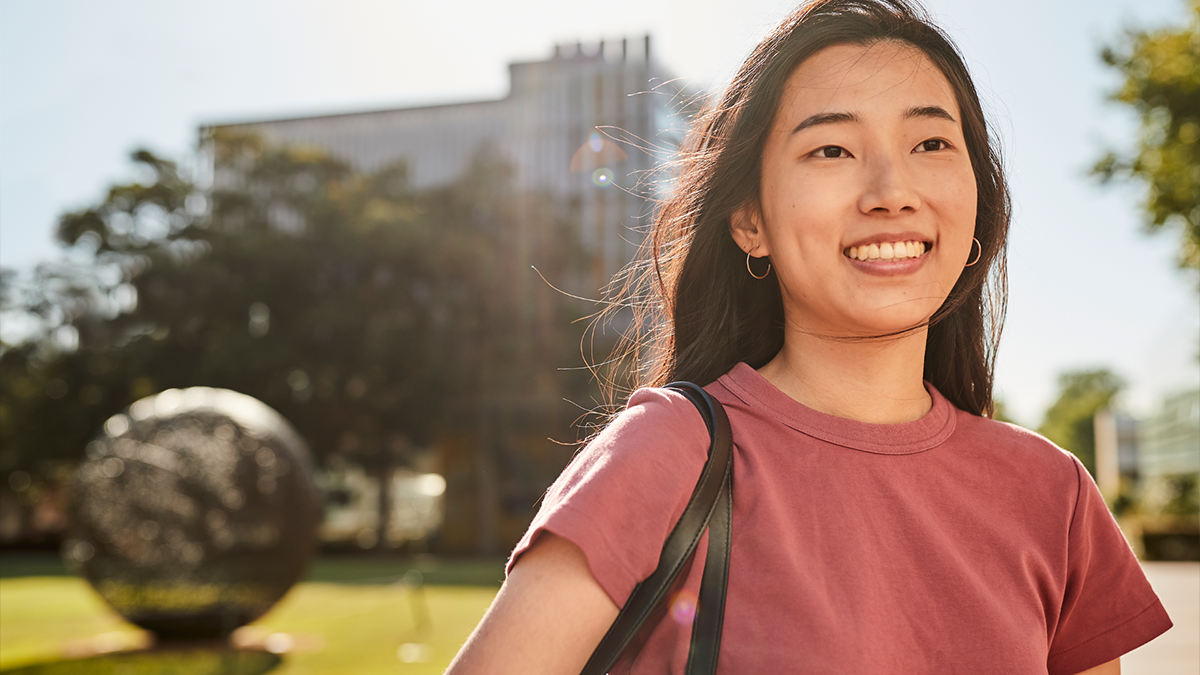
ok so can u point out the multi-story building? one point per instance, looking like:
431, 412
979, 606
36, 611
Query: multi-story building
1169, 442
584, 129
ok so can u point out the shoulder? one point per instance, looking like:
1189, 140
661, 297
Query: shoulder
659, 405
657, 422
1022, 453
659, 432
1013, 439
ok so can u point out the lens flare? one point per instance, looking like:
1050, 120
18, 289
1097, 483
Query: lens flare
602, 177
596, 141
683, 608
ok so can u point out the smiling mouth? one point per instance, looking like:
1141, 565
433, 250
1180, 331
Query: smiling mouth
888, 250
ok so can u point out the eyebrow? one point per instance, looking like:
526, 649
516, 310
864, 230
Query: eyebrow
936, 112
826, 118
928, 111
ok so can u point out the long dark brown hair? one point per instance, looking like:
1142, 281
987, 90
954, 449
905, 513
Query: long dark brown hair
697, 312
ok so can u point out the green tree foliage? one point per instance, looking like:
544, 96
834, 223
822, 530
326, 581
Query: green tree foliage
1068, 422
1161, 69
376, 317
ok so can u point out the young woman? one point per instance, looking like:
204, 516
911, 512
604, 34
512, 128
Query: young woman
831, 266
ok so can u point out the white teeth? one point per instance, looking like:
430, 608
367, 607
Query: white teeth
888, 250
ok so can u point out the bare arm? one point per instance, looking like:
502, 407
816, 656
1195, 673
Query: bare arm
1110, 668
548, 617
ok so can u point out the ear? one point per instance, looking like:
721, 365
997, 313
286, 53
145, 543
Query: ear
745, 225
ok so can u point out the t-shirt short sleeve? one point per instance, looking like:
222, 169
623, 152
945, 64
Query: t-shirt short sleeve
619, 498
1108, 606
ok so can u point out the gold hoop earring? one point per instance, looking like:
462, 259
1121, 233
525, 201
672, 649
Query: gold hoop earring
977, 255
764, 275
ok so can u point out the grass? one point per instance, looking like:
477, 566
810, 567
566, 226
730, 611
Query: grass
161, 662
356, 615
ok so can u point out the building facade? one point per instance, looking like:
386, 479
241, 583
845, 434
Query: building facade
584, 129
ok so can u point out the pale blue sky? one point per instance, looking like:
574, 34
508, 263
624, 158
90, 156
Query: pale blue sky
84, 83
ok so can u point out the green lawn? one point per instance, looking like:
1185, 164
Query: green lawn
352, 615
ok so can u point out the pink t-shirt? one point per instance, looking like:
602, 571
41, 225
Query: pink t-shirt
952, 544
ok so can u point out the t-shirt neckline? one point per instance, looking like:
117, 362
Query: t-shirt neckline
907, 438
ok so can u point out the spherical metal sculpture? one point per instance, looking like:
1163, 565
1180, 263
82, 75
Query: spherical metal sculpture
194, 512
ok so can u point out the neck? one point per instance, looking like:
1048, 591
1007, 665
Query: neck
875, 380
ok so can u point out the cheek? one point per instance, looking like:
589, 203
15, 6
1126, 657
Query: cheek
968, 199
959, 199
800, 222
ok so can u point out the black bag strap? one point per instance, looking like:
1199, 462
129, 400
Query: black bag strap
710, 607
713, 494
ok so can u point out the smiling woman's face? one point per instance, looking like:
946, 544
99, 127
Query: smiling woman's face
868, 199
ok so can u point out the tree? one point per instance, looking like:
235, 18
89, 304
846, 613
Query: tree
1069, 421
1161, 69
376, 317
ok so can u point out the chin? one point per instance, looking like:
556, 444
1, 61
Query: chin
892, 324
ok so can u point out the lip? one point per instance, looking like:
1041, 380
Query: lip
888, 268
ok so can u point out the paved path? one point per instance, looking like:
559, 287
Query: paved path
1176, 652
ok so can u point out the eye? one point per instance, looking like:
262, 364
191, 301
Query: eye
931, 145
831, 152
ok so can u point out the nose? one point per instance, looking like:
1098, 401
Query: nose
888, 188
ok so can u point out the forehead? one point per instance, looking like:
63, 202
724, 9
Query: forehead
863, 79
